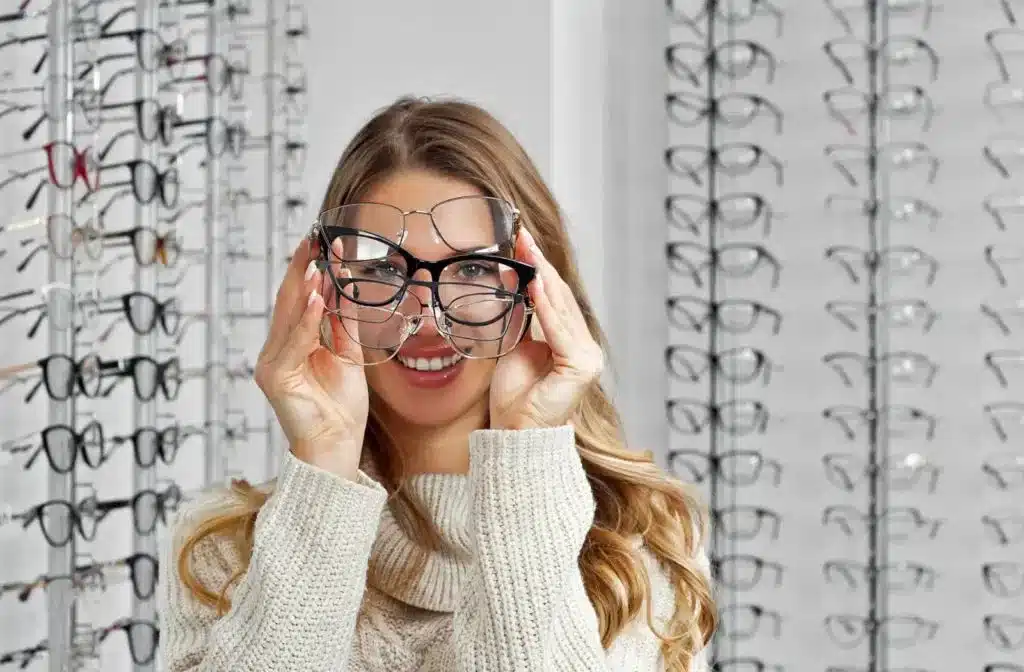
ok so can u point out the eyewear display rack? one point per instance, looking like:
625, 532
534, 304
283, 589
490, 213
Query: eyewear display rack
876, 336
201, 51
898, 239
710, 255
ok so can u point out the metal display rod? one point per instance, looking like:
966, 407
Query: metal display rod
215, 294
877, 445
274, 253
61, 127
714, 504
145, 414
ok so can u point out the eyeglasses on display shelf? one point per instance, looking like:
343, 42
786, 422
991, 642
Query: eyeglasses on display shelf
720, 213
127, 125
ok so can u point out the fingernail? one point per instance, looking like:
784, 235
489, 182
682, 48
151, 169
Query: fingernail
313, 296
530, 242
310, 270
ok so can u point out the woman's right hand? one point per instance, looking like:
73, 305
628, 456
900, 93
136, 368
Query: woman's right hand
320, 399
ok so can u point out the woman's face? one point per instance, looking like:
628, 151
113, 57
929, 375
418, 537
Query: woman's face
447, 391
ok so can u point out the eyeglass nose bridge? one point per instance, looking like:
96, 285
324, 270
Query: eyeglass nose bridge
413, 323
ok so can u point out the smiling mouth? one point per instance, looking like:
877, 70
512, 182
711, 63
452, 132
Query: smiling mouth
430, 363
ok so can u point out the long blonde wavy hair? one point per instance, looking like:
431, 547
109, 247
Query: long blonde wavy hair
634, 497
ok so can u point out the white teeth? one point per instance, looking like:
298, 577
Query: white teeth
432, 364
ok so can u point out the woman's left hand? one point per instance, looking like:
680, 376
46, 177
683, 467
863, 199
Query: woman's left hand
540, 383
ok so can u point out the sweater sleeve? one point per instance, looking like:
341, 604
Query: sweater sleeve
526, 608
295, 608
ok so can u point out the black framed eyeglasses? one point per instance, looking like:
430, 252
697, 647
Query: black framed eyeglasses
737, 211
737, 316
733, 110
736, 416
143, 638
478, 301
144, 312
148, 507
730, 14
734, 467
62, 445
147, 181
148, 376
735, 159
740, 365
153, 121
733, 59
733, 260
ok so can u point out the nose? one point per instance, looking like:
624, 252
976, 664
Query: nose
425, 296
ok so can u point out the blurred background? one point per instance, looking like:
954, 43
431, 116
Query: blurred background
799, 222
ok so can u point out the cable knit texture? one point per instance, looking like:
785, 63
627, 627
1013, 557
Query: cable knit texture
508, 596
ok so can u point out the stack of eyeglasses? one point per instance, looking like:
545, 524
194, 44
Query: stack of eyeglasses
117, 114
376, 291
724, 177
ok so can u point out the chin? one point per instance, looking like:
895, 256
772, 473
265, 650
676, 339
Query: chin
432, 399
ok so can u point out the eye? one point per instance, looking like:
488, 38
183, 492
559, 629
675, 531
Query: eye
473, 270
380, 269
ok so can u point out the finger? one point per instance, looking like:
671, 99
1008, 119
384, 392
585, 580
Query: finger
548, 292
338, 322
300, 278
560, 317
305, 337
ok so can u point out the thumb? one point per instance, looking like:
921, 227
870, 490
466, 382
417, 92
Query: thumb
306, 337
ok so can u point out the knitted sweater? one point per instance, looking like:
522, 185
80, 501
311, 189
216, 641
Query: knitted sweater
510, 598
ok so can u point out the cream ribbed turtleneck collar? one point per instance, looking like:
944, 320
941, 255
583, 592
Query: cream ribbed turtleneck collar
445, 498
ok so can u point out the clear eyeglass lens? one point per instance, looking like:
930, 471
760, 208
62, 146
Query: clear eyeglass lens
465, 224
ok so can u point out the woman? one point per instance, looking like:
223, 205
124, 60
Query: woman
446, 503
